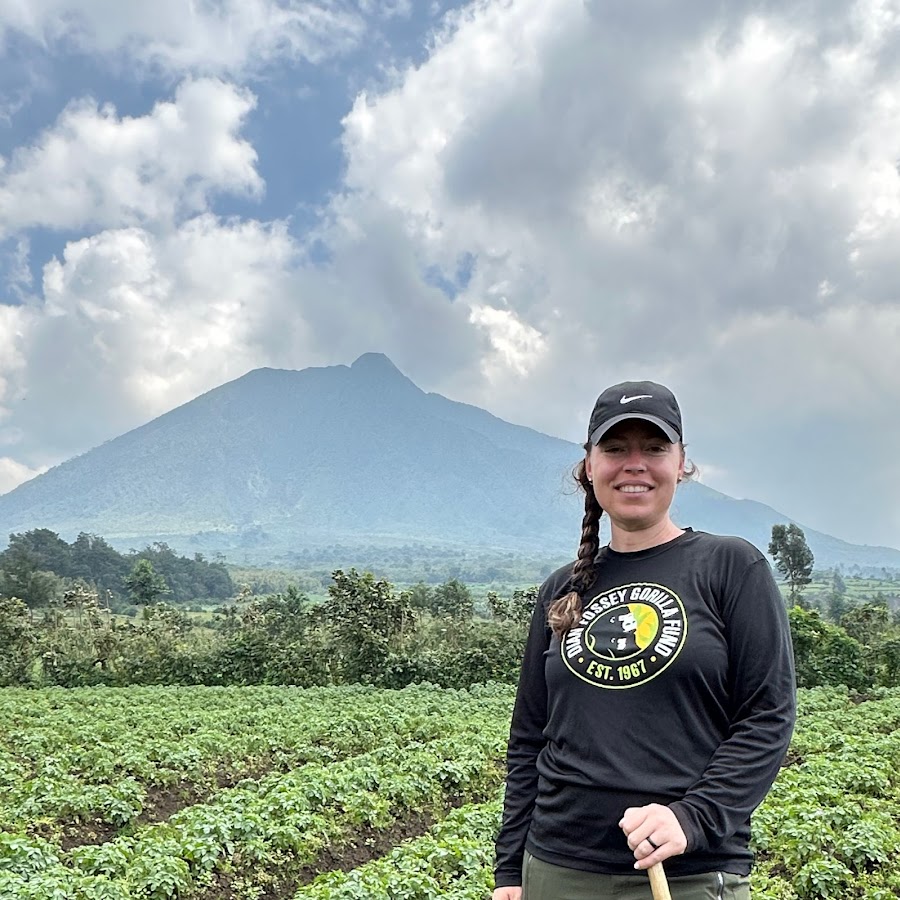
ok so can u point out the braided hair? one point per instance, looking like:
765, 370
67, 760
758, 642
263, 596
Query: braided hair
565, 611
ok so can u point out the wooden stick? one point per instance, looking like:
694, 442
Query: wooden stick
658, 883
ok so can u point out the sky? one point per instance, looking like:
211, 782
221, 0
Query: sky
520, 202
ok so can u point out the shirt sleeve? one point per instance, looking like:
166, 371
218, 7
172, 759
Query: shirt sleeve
763, 710
526, 739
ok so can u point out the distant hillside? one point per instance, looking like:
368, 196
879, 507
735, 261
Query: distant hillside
359, 456
710, 510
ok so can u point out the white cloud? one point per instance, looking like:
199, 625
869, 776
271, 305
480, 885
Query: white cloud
18, 277
12, 320
515, 346
132, 323
175, 36
93, 168
13, 473
663, 198
707, 199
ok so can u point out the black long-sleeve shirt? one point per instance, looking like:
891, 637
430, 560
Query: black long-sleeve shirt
675, 687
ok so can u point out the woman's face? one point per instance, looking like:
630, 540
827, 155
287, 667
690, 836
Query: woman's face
634, 470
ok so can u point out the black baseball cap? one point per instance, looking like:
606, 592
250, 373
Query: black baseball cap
636, 400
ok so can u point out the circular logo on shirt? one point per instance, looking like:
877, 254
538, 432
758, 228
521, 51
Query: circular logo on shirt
626, 636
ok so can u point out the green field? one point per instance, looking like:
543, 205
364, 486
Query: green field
353, 792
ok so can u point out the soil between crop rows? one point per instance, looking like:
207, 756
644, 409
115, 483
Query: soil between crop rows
161, 802
366, 845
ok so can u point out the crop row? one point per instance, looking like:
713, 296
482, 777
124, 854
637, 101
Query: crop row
453, 861
829, 827
829, 830
90, 755
262, 830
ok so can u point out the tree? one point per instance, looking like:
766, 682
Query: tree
499, 606
838, 585
452, 600
837, 602
516, 610
420, 596
521, 607
825, 654
889, 655
81, 597
21, 576
94, 560
17, 639
866, 623
366, 622
144, 584
793, 558
837, 606
48, 551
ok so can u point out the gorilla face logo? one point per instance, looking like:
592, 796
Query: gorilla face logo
625, 644
626, 636
615, 634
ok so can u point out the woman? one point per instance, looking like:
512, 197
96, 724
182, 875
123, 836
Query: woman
656, 699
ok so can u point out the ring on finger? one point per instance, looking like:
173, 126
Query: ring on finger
654, 846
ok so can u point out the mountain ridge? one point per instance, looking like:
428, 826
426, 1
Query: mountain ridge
349, 455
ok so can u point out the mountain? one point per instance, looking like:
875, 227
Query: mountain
354, 455
709, 510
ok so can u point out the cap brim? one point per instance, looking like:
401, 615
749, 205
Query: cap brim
664, 427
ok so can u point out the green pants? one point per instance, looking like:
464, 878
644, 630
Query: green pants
543, 881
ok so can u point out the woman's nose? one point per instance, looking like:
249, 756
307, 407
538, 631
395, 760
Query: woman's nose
634, 460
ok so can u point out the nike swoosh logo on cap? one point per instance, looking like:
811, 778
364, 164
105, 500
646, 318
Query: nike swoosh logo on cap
636, 397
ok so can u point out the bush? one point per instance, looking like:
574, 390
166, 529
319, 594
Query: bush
825, 654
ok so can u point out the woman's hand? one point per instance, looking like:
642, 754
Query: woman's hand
653, 834
507, 893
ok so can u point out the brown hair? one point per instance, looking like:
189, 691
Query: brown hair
565, 611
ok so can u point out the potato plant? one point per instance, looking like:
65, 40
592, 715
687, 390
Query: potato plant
333, 764
449, 754
91, 755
